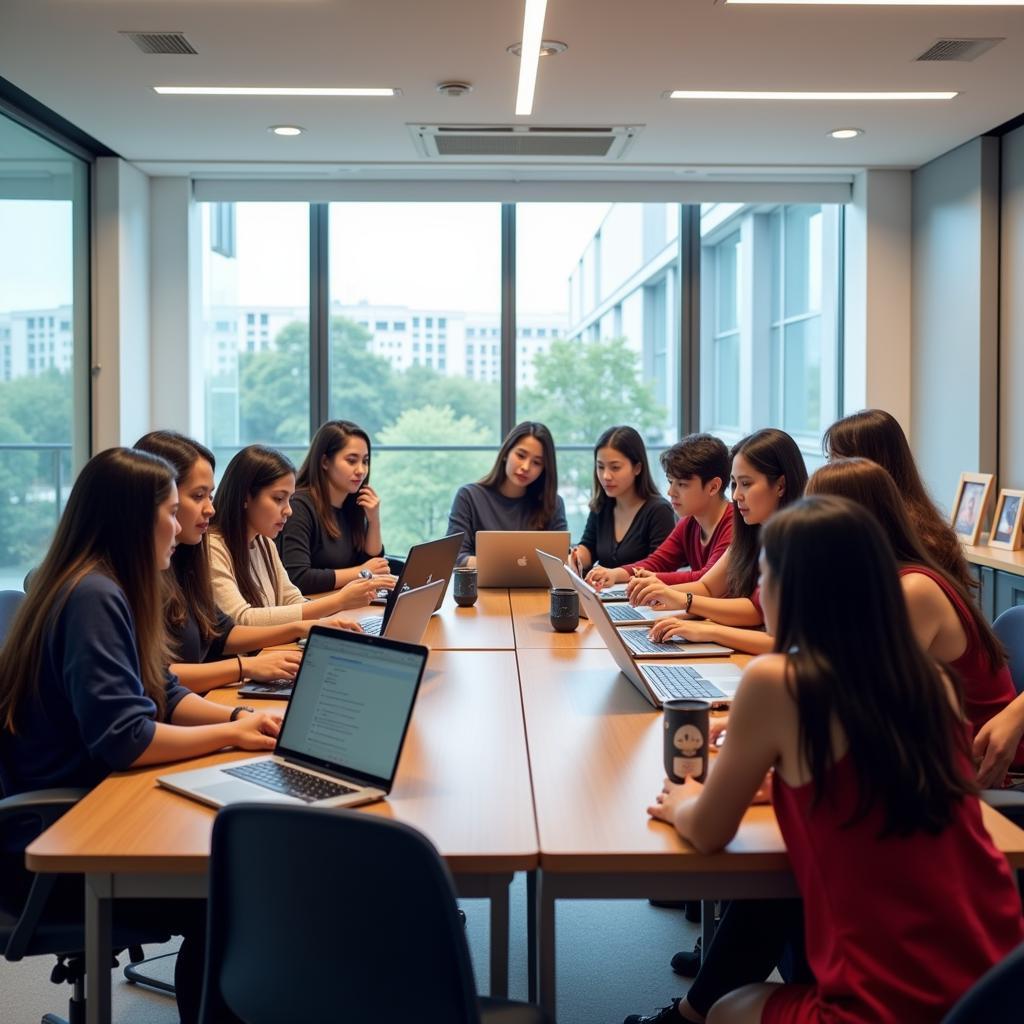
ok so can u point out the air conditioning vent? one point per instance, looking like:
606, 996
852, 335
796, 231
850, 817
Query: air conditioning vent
505, 142
958, 49
161, 42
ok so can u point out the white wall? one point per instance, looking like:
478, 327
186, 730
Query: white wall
120, 288
955, 315
1011, 341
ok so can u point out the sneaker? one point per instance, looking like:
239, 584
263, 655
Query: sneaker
666, 1015
687, 962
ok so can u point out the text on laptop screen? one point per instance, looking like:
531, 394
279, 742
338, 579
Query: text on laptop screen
351, 704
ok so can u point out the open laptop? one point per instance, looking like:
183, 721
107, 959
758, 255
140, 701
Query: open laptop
508, 558
620, 614
342, 733
432, 560
408, 623
659, 683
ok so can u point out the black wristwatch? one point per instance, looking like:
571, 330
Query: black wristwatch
235, 712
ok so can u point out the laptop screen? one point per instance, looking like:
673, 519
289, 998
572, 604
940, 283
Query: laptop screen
351, 704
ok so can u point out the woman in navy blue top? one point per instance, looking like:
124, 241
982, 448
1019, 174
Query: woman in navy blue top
84, 690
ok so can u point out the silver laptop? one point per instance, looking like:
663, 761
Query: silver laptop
342, 733
620, 614
508, 558
659, 683
409, 614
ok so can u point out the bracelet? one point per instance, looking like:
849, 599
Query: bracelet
689, 601
241, 671
235, 712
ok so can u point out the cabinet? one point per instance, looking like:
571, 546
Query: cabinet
1009, 591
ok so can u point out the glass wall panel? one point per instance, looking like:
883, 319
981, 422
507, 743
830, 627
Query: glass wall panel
256, 325
602, 278
44, 340
415, 350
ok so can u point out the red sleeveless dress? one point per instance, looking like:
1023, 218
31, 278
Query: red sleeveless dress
986, 693
898, 928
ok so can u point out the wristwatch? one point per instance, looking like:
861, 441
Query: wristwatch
235, 712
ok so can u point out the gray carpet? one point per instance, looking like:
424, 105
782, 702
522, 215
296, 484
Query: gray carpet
612, 960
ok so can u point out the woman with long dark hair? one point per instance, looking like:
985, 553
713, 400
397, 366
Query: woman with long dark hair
768, 473
249, 581
872, 787
84, 690
206, 647
628, 518
333, 533
519, 493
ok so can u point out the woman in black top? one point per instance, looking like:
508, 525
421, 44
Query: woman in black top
333, 534
206, 645
628, 516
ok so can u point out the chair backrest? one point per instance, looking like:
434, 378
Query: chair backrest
998, 995
314, 914
1009, 627
10, 601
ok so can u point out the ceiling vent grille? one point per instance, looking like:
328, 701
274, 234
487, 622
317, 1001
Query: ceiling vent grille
958, 49
161, 42
505, 142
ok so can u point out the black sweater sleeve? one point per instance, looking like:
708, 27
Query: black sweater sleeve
300, 536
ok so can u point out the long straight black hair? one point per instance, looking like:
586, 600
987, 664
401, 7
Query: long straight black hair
870, 486
248, 473
329, 440
542, 495
774, 454
187, 585
851, 657
628, 442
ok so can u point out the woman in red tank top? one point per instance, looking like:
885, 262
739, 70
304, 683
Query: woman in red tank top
947, 623
873, 787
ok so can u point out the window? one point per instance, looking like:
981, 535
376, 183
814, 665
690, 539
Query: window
222, 229
726, 358
44, 259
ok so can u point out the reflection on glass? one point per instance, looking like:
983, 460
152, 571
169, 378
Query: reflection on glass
256, 323
43, 317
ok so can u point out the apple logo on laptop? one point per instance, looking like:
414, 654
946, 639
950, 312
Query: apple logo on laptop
521, 560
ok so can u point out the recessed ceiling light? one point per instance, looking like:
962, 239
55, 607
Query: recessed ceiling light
548, 48
720, 94
285, 129
533, 33
887, 3
846, 133
235, 90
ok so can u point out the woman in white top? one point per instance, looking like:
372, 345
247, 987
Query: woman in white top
249, 582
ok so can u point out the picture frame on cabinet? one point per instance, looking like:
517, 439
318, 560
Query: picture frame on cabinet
972, 496
1006, 522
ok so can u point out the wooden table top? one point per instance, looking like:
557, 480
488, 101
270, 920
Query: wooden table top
596, 758
463, 780
530, 610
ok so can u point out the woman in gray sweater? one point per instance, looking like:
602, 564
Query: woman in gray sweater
519, 493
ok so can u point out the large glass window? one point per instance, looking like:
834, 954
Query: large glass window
601, 279
415, 350
44, 318
256, 326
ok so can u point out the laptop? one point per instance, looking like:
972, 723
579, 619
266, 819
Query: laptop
659, 683
507, 558
342, 733
408, 623
620, 614
432, 560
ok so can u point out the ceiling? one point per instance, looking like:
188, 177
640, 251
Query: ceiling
622, 57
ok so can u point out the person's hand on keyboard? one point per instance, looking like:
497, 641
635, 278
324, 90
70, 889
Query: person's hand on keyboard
255, 731
360, 592
647, 591
694, 630
269, 665
336, 622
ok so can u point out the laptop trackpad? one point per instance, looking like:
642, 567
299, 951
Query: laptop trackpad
237, 792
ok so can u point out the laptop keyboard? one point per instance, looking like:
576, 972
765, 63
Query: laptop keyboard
639, 642
671, 682
625, 613
371, 624
290, 781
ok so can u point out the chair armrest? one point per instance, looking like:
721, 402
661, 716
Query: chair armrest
45, 804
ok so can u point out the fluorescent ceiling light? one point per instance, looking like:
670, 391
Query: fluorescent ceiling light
692, 94
533, 33
235, 90
886, 3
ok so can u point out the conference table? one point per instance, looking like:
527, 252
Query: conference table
528, 751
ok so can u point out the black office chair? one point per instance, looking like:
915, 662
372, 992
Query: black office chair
997, 996
10, 602
319, 914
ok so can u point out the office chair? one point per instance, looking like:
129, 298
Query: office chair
998, 995
361, 923
10, 602
1009, 628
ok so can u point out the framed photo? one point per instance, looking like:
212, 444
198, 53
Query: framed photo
972, 496
1006, 521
